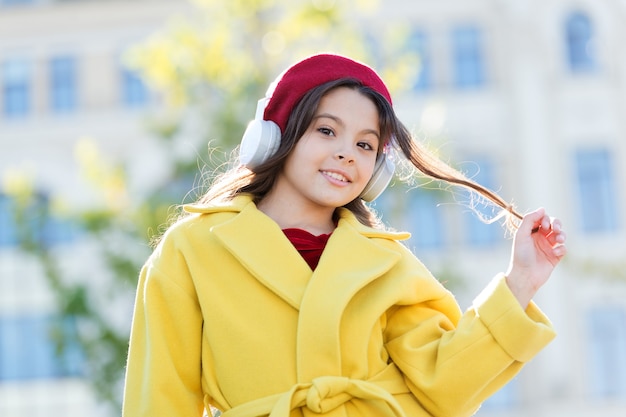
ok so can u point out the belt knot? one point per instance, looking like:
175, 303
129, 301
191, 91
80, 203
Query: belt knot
327, 393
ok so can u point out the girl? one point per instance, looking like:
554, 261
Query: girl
279, 294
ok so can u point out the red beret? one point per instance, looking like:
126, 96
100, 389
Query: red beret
311, 72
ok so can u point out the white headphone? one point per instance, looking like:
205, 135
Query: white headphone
262, 138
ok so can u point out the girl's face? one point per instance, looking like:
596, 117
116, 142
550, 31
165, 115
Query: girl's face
333, 161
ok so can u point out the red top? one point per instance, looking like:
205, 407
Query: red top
309, 245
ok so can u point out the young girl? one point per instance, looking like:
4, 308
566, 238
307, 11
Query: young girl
279, 294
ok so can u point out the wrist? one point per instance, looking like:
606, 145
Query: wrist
521, 287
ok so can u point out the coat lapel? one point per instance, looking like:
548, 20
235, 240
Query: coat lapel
262, 248
350, 261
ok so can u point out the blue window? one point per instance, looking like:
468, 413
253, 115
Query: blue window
46, 227
467, 57
425, 218
478, 232
60, 230
8, 232
607, 352
598, 203
134, 90
63, 84
28, 348
579, 41
16, 88
418, 44
37, 223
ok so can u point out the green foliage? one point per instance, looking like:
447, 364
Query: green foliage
103, 344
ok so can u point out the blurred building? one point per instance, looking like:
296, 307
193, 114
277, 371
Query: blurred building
63, 79
528, 97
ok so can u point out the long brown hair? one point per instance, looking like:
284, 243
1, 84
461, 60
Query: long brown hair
259, 182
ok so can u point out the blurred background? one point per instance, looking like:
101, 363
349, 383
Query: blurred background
114, 112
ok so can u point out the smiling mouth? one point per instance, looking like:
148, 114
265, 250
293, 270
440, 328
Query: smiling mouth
336, 176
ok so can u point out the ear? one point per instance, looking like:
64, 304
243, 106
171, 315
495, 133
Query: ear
260, 140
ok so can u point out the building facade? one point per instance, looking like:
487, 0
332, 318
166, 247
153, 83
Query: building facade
527, 97
64, 80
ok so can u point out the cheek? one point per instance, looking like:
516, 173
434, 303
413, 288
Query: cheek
302, 157
368, 169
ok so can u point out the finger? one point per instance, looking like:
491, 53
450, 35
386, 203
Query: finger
555, 229
556, 238
559, 250
532, 221
548, 225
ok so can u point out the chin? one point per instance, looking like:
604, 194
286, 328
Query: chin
342, 202
337, 200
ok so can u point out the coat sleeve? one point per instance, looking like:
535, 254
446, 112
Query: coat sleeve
451, 363
163, 374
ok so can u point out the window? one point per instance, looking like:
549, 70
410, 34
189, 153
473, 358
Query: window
467, 57
607, 344
8, 233
36, 222
478, 232
28, 349
48, 228
418, 44
425, 219
598, 205
16, 88
579, 43
134, 91
63, 84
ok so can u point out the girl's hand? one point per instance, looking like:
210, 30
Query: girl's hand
538, 246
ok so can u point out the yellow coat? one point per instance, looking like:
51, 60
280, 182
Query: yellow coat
229, 314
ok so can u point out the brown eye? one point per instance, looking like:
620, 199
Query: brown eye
366, 146
326, 131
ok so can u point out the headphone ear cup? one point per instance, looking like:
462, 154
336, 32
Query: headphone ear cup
383, 173
260, 141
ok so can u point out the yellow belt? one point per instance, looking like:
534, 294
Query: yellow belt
324, 394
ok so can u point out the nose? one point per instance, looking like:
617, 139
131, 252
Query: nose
345, 153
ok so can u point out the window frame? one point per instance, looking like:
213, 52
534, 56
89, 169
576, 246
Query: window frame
134, 91
468, 55
63, 78
595, 176
28, 350
16, 80
579, 33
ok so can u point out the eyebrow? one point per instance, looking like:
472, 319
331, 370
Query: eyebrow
339, 121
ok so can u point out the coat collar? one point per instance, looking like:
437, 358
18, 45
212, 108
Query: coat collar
239, 203
351, 258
